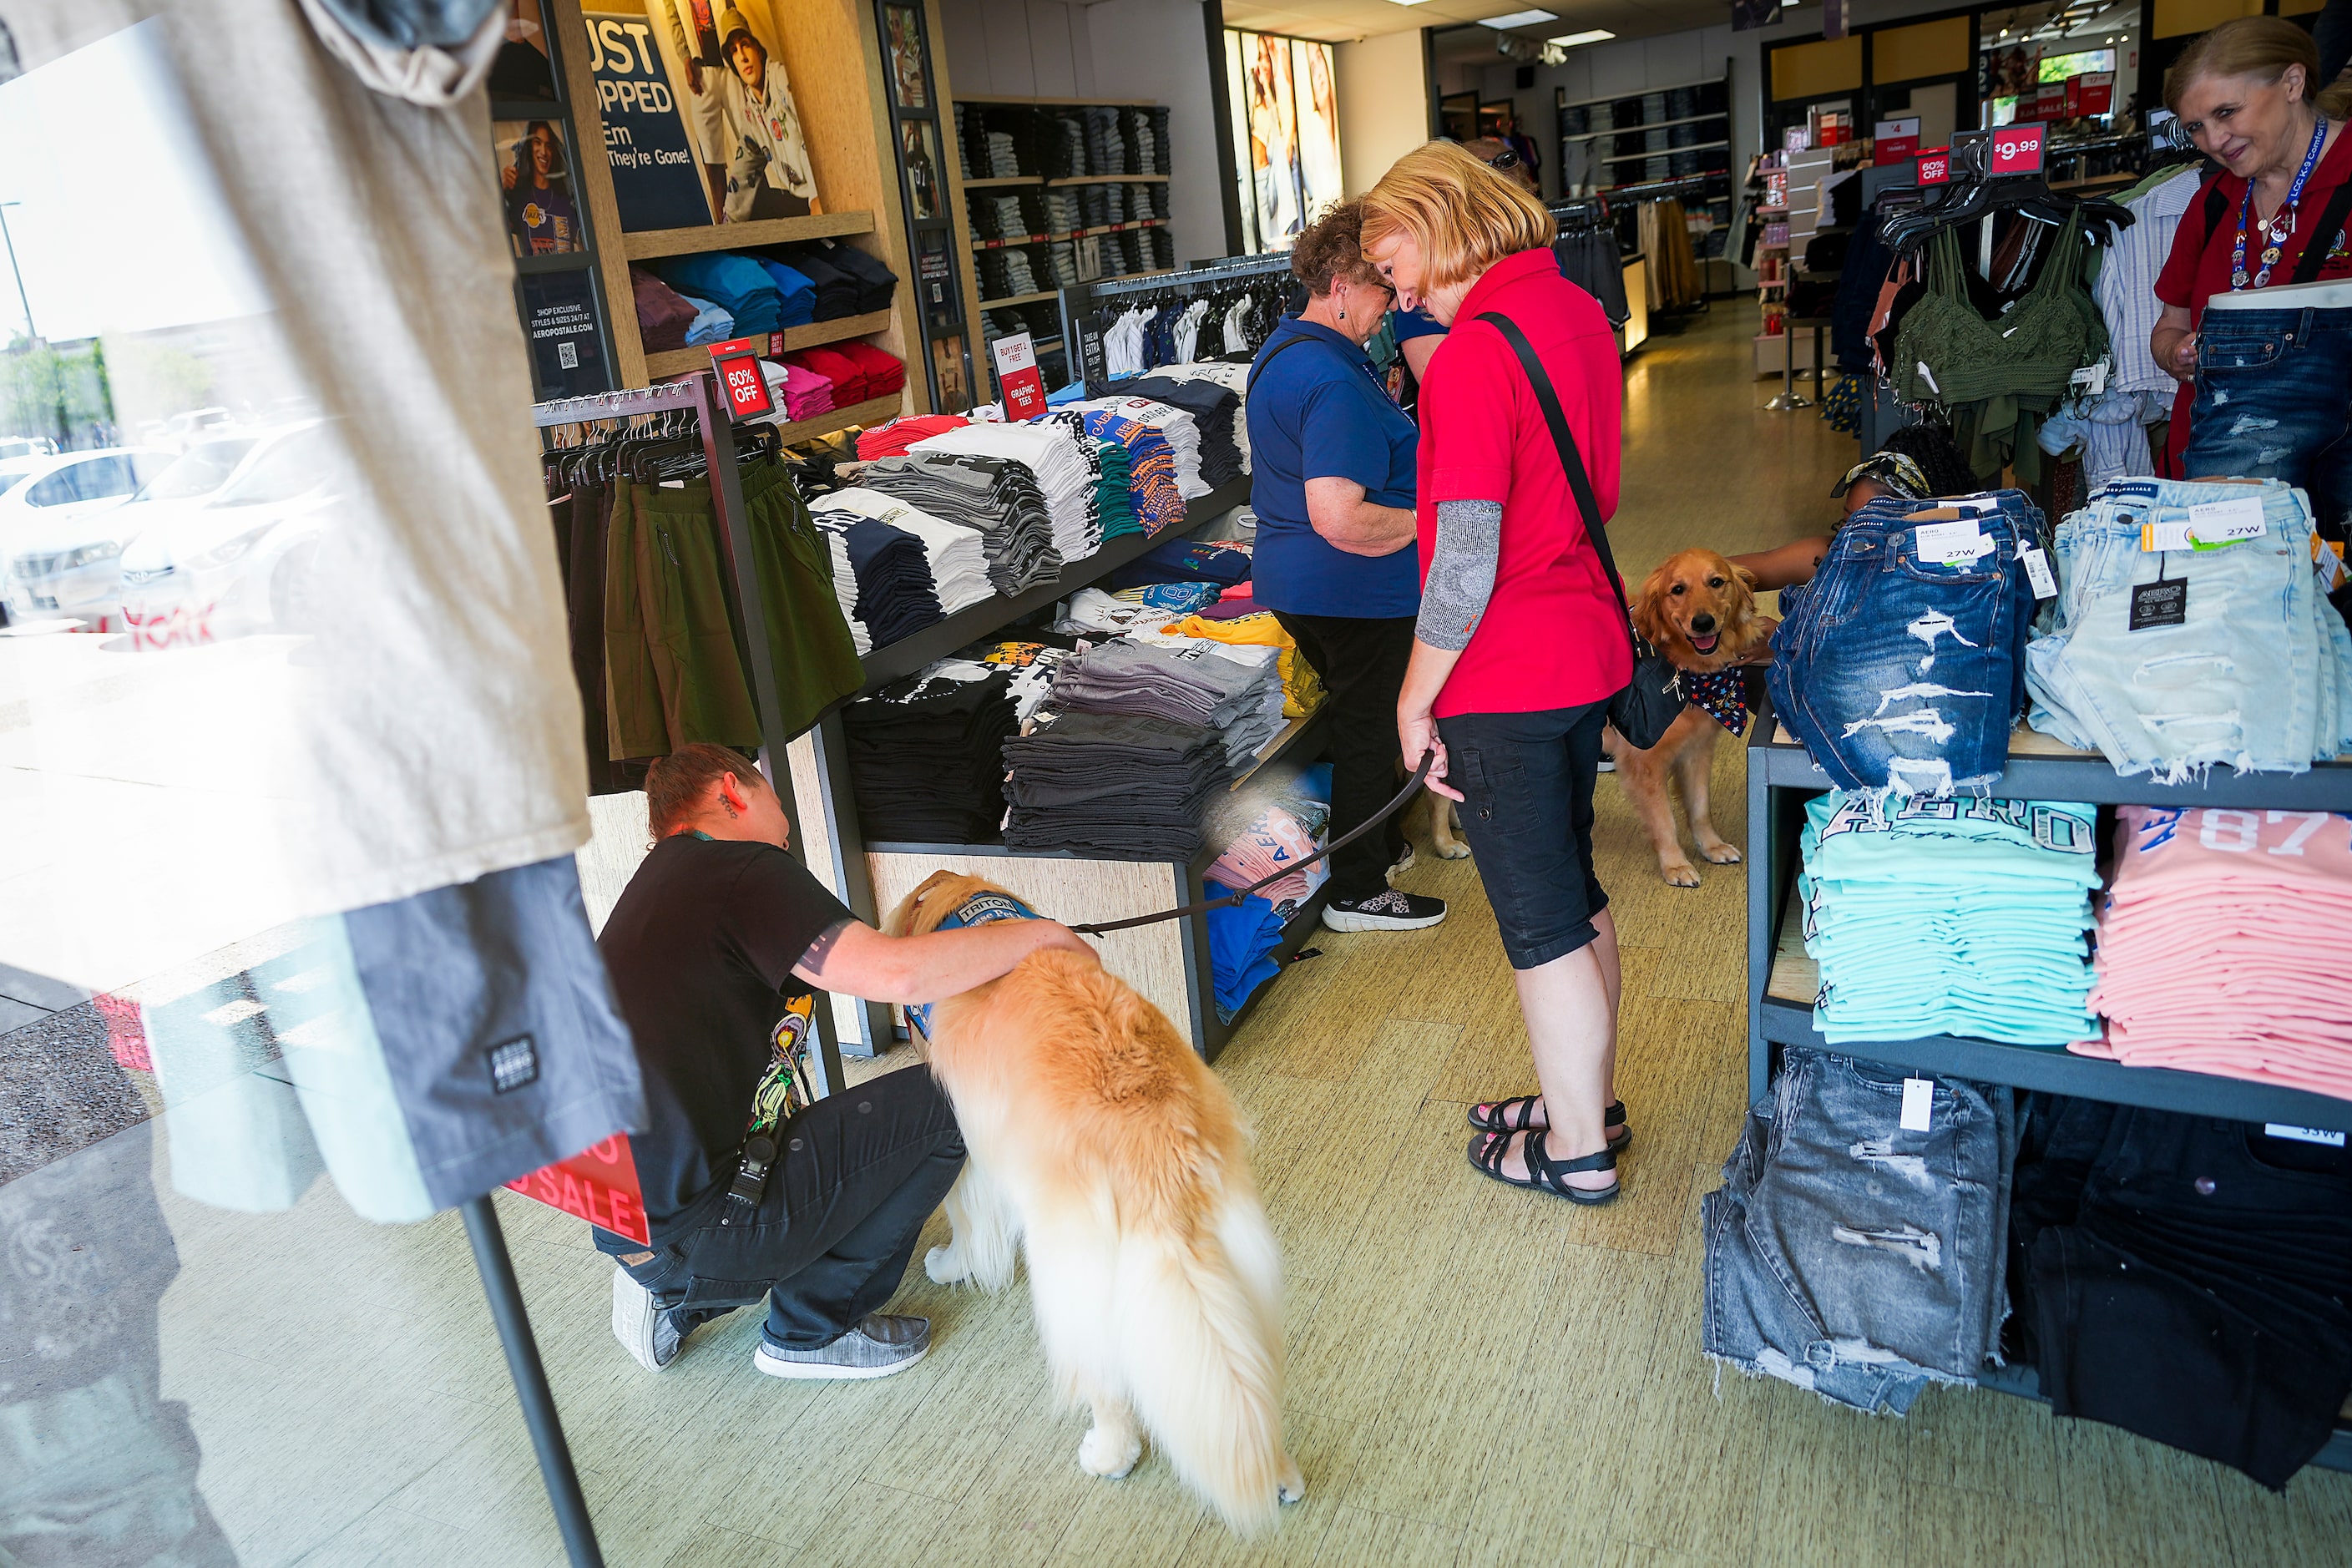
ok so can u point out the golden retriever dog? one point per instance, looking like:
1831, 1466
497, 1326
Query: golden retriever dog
1433, 817
1700, 610
1105, 1150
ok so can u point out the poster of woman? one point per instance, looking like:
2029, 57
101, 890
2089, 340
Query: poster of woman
1319, 125
1274, 139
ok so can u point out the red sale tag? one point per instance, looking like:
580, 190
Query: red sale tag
598, 1185
2017, 150
2099, 95
1018, 378
746, 385
1935, 167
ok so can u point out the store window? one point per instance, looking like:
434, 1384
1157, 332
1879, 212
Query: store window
1285, 114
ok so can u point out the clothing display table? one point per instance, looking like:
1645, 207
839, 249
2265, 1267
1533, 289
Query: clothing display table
1782, 980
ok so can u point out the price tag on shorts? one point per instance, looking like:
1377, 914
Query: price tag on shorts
2038, 572
2226, 521
2174, 535
1919, 1103
1952, 543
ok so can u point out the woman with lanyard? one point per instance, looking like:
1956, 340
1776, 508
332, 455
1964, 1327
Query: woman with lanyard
1332, 484
2257, 293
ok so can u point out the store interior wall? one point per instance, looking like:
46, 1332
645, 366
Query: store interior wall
1384, 87
1153, 51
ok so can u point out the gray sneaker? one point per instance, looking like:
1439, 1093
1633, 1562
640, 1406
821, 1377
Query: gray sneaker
878, 1347
647, 1332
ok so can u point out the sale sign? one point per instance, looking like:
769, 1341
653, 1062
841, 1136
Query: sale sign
2017, 149
598, 1185
1894, 141
2096, 93
1936, 166
740, 376
1018, 378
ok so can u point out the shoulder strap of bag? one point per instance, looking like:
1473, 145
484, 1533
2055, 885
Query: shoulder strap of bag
2216, 207
1570, 458
2323, 238
1280, 349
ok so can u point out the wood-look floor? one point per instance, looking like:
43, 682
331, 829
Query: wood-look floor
1478, 1376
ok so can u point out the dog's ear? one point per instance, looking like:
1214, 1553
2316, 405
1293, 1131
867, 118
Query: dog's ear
1649, 606
1742, 572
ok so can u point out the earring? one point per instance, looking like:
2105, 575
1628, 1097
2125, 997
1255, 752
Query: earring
1343, 315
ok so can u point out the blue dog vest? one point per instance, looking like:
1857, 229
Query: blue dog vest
979, 909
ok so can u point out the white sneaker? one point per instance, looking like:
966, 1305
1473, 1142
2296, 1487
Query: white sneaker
645, 1331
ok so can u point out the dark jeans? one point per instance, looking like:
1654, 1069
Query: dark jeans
859, 1173
2274, 401
1526, 785
1361, 662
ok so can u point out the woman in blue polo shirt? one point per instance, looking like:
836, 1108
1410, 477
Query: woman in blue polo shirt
1332, 466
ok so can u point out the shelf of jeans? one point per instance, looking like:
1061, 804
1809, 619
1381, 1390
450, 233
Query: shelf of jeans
1664, 152
1019, 299
655, 243
1001, 243
2026, 1384
995, 181
1787, 1019
907, 655
2043, 769
678, 362
1629, 129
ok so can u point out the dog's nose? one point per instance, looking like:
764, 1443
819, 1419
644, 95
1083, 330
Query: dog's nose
1702, 622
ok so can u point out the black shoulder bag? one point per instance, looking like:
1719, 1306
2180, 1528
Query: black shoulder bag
1654, 700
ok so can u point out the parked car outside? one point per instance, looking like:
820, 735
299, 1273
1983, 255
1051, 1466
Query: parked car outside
58, 541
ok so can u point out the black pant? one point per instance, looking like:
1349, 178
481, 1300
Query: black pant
858, 1174
1526, 809
1361, 662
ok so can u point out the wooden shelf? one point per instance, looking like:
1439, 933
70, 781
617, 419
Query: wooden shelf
1099, 228
1723, 81
1669, 151
677, 362
1629, 129
872, 411
656, 242
993, 181
1019, 299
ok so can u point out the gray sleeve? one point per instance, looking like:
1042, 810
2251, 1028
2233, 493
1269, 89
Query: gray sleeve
1461, 572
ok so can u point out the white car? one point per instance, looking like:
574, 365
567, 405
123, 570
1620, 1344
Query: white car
233, 560
57, 544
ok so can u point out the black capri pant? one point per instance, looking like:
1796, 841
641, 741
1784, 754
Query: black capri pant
1527, 784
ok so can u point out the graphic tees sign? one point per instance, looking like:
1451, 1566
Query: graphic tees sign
655, 182
1018, 378
2017, 150
739, 375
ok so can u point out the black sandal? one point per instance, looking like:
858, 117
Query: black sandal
1513, 1115
1544, 1173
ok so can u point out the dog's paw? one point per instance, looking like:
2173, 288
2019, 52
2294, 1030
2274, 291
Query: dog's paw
1292, 1487
1452, 851
1720, 854
1109, 1454
945, 1268
1681, 874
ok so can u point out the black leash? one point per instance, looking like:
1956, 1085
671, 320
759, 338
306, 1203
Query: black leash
1413, 784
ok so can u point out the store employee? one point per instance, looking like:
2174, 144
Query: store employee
713, 950
1332, 484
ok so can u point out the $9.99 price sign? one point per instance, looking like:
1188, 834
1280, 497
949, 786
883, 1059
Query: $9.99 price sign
737, 360
2017, 150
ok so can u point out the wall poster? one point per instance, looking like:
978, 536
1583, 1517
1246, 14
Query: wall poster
1286, 132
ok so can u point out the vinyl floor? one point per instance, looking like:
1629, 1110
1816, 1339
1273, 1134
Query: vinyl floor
1479, 1376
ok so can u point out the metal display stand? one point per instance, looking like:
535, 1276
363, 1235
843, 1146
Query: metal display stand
1781, 980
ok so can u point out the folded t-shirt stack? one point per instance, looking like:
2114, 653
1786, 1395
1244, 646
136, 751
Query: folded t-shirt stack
997, 498
1225, 561
794, 287
712, 323
1118, 785
857, 372
798, 392
1233, 378
926, 753
1109, 506
1235, 692
1052, 461
889, 440
2206, 943
1215, 411
1033, 663
1949, 914
664, 316
959, 563
890, 593
851, 282
1152, 491
1176, 425
737, 284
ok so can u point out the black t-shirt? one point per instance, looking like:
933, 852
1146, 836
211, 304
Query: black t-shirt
701, 947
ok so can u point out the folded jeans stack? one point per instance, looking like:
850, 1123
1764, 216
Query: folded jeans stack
997, 498
1900, 666
1949, 914
2206, 941
2186, 1279
1859, 1243
2172, 660
926, 753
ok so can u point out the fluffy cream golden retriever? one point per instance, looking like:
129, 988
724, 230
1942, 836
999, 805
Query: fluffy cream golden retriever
1104, 1149
1700, 610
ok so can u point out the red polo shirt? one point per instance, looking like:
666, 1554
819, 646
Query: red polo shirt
1554, 634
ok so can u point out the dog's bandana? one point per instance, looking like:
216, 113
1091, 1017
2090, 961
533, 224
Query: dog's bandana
1723, 693
976, 910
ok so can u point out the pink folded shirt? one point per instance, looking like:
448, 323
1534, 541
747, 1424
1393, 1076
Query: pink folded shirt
803, 392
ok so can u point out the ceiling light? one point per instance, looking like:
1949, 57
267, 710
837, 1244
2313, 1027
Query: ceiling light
1408, 2
1519, 19
1593, 36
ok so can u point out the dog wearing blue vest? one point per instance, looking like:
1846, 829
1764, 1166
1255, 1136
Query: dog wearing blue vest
1104, 1150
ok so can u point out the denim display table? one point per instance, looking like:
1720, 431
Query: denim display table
1782, 980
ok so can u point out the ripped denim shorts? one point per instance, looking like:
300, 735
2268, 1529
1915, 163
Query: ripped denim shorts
2255, 672
1899, 672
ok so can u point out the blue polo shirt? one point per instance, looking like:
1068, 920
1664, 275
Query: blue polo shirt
1319, 412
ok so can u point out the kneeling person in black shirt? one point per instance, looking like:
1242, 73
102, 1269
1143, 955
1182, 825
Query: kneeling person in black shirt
713, 949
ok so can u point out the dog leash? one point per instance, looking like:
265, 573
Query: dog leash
1419, 775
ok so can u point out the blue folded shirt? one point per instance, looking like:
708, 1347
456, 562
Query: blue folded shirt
712, 323
736, 283
799, 293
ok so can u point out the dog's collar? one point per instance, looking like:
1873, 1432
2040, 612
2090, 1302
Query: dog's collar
1722, 694
980, 909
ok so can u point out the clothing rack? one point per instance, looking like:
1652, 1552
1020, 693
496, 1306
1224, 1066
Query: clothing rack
1081, 303
1658, 190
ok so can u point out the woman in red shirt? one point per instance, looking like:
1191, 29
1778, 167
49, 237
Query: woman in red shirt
2274, 216
1520, 641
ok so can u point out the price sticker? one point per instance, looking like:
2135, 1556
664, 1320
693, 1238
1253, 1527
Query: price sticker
2038, 572
1919, 1103
2172, 535
2017, 149
1952, 543
2226, 521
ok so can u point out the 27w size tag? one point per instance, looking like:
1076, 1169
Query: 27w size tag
2226, 521
1919, 1103
1952, 543
2038, 572
2163, 602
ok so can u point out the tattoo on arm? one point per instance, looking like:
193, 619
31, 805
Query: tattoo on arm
813, 959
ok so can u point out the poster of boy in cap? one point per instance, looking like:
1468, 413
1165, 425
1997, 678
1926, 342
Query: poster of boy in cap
769, 174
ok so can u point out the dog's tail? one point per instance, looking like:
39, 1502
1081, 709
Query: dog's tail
1200, 1313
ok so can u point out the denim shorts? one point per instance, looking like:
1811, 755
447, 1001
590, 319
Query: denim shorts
2274, 402
1526, 809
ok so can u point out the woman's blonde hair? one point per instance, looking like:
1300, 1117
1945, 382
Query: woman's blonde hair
1464, 216
2258, 46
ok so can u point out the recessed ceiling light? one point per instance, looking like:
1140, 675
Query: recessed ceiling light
1572, 39
1408, 2
1519, 19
